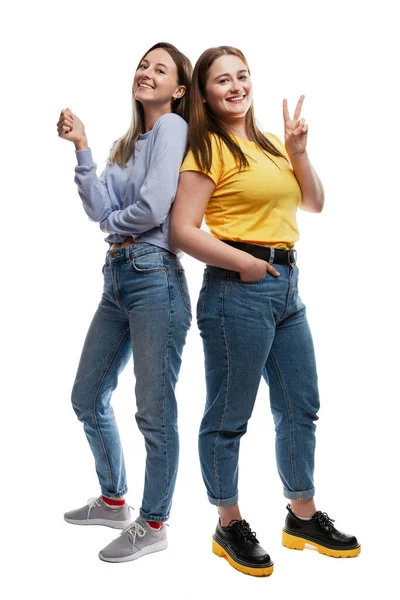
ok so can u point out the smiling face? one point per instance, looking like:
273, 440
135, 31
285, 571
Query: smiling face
229, 91
156, 80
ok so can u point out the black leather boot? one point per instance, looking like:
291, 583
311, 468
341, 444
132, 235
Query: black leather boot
320, 533
240, 547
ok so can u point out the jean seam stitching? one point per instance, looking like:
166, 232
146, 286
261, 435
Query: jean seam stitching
163, 390
201, 312
222, 294
291, 426
181, 273
94, 404
287, 312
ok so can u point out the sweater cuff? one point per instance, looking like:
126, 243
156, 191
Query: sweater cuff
84, 157
104, 226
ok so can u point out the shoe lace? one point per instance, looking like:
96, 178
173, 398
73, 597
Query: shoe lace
325, 520
93, 502
133, 530
245, 533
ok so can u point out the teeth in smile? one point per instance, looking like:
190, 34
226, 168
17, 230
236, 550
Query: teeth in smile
145, 86
235, 99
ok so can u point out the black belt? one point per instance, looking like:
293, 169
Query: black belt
267, 253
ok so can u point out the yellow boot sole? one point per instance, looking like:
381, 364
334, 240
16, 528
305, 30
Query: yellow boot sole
256, 572
297, 543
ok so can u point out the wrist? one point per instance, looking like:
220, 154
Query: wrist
82, 144
247, 262
298, 156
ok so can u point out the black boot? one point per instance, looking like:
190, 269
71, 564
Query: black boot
320, 533
239, 545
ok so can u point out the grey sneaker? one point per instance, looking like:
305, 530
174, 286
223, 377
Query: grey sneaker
135, 541
96, 512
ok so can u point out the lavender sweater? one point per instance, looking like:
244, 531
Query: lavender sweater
135, 201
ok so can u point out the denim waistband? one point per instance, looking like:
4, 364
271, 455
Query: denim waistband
126, 254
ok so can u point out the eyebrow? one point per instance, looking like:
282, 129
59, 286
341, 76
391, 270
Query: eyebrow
228, 74
157, 65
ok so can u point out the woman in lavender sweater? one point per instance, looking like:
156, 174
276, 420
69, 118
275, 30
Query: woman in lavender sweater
145, 306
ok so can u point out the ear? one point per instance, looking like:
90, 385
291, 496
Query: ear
179, 92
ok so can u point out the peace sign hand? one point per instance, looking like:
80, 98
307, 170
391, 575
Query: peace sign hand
295, 129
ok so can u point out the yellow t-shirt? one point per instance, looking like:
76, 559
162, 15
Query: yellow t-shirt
256, 205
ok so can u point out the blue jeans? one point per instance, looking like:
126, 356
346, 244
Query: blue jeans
249, 331
144, 310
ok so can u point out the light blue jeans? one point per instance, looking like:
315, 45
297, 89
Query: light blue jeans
144, 309
249, 331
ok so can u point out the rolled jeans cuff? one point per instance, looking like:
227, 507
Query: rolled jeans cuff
114, 495
155, 518
224, 501
306, 495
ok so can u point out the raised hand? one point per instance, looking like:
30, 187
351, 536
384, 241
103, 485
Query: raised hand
295, 129
71, 128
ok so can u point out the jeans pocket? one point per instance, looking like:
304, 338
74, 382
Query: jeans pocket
152, 262
253, 282
202, 297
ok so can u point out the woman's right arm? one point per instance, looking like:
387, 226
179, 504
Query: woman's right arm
193, 195
92, 189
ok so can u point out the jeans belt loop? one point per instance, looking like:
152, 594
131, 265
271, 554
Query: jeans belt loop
127, 256
272, 255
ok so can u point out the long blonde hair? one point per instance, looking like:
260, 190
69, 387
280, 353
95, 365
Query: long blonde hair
125, 146
202, 121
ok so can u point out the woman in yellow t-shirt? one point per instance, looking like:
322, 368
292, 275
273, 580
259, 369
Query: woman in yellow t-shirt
248, 185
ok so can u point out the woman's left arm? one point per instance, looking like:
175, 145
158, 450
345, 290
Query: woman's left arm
296, 131
310, 184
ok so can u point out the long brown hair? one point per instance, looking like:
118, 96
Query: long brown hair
126, 144
202, 121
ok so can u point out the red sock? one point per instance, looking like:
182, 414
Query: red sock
155, 524
113, 502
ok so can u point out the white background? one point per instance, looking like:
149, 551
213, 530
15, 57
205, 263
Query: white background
343, 57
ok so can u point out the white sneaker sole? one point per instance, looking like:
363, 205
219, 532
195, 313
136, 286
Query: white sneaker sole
147, 550
105, 522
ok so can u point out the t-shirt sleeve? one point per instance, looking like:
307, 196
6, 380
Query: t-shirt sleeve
189, 164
